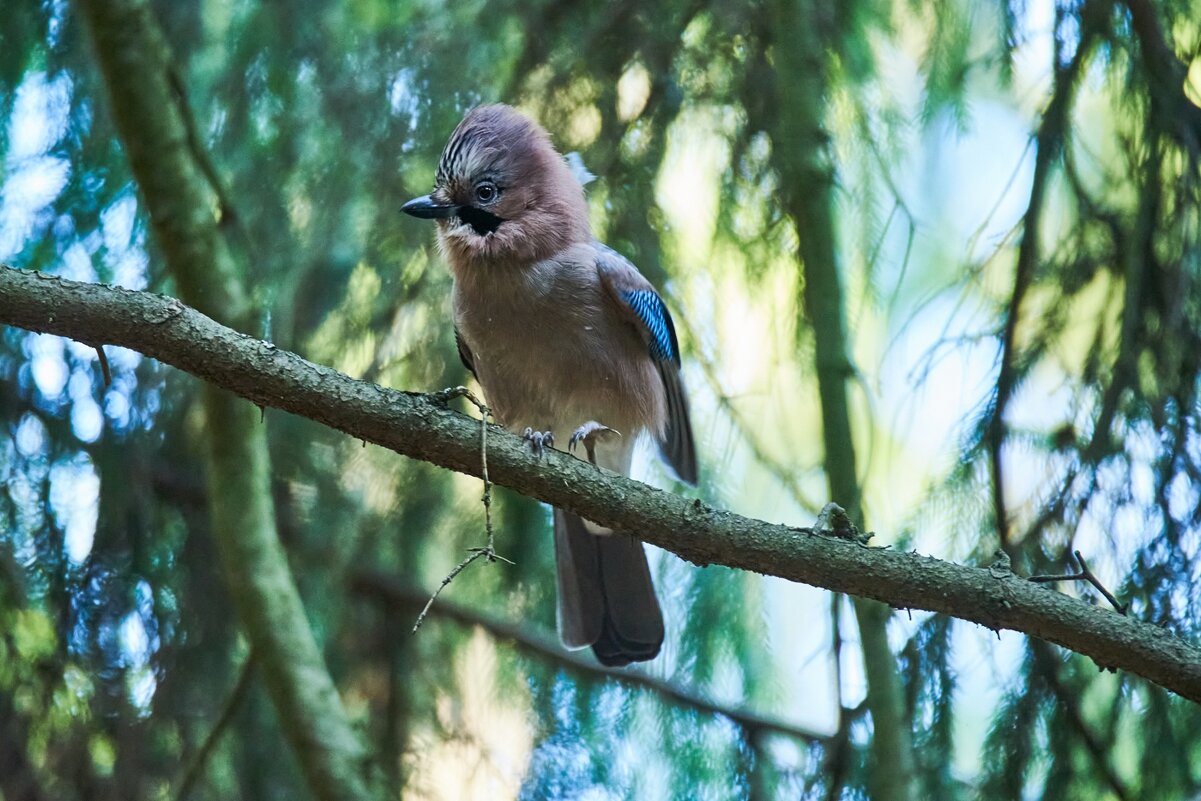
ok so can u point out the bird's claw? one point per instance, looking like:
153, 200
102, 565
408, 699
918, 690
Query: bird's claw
589, 434
539, 440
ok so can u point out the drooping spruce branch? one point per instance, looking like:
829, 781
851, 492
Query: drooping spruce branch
1049, 143
392, 592
415, 425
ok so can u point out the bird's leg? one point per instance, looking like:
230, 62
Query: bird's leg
589, 434
539, 440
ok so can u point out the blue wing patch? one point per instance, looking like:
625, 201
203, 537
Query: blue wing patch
650, 309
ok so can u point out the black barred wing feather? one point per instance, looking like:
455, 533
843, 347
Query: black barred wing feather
647, 312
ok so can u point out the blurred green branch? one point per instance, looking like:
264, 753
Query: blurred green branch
1052, 130
1167, 76
1065, 697
196, 765
397, 592
416, 425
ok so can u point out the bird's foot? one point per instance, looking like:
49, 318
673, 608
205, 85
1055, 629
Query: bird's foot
539, 440
589, 434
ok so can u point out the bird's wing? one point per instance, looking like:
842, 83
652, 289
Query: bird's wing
638, 303
465, 355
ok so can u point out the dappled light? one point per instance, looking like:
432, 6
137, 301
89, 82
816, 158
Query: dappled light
939, 264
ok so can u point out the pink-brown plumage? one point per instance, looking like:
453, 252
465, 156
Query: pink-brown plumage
550, 352
560, 331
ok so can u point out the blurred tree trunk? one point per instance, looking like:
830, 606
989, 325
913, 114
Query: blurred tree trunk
800, 151
146, 104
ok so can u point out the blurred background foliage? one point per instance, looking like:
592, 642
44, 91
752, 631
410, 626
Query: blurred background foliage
980, 152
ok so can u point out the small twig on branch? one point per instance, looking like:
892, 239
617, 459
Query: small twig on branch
1084, 575
488, 551
108, 376
476, 553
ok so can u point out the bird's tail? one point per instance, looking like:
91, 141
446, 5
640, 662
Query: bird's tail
606, 598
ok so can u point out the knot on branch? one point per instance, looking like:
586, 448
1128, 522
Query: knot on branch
834, 521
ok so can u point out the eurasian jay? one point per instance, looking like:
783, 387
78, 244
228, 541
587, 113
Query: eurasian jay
563, 334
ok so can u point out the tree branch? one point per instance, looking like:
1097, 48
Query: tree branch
1050, 137
1166, 76
1049, 665
199, 761
414, 425
803, 158
1084, 574
394, 592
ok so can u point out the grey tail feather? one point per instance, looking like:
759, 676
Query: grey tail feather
677, 445
606, 597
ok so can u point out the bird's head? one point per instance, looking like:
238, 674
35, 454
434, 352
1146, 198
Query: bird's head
502, 194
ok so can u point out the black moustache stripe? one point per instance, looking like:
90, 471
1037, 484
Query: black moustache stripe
483, 222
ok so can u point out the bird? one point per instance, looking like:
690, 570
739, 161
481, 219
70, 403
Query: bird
563, 334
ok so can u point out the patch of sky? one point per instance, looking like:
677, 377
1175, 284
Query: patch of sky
75, 504
34, 177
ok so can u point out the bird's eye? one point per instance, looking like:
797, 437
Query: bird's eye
486, 192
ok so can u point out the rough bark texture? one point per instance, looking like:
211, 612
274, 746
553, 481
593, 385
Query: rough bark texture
802, 157
422, 427
146, 108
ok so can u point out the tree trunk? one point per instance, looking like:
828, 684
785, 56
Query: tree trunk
801, 155
146, 104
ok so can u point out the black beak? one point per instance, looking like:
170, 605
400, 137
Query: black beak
428, 209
